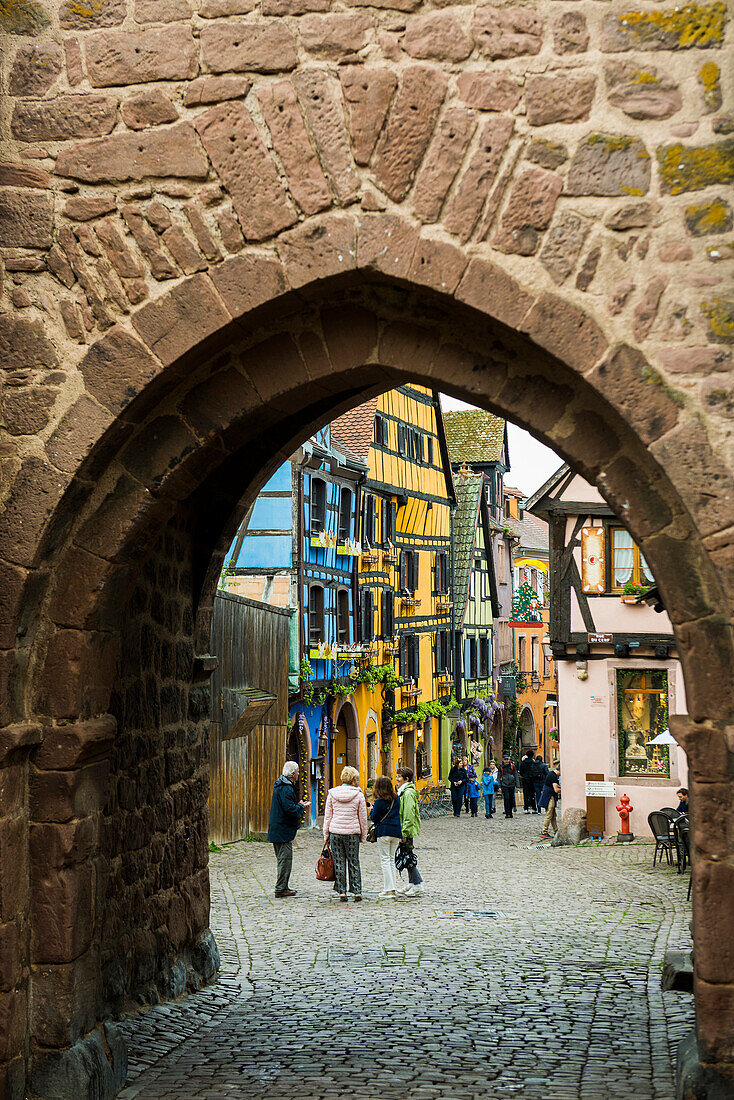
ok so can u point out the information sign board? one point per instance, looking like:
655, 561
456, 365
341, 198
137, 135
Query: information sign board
600, 639
597, 789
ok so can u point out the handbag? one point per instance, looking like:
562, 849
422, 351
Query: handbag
372, 827
325, 866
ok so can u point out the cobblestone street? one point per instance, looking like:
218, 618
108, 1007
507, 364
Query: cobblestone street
521, 971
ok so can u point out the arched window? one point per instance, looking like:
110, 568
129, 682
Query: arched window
315, 614
318, 505
342, 616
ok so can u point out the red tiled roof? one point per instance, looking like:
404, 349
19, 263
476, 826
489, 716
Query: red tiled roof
355, 429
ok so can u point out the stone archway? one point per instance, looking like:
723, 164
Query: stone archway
345, 712
246, 232
528, 736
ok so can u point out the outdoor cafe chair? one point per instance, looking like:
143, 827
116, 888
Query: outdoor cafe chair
662, 829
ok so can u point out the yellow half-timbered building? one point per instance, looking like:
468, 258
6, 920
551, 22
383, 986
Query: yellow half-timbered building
404, 583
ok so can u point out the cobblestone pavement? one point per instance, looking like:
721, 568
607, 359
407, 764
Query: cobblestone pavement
522, 970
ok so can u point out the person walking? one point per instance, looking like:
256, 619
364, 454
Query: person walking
385, 814
410, 825
489, 773
528, 783
457, 779
285, 817
548, 799
473, 790
509, 781
540, 770
345, 825
471, 773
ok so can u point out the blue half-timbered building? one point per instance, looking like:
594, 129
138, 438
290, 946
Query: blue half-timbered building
298, 547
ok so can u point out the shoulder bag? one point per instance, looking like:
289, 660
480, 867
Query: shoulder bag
372, 828
325, 866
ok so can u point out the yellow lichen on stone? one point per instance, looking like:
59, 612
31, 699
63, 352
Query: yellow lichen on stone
685, 169
720, 314
709, 217
698, 25
709, 79
85, 9
644, 77
22, 17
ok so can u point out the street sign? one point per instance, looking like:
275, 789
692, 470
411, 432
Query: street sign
597, 789
600, 639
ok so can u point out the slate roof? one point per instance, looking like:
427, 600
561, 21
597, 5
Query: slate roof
355, 429
468, 489
474, 435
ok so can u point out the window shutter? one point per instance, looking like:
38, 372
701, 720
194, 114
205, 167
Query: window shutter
415, 563
404, 569
401, 439
403, 657
388, 613
430, 450
467, 658
592, 560
415, 656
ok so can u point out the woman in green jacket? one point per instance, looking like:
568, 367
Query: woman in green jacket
410, 824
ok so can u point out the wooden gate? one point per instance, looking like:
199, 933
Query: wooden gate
249, 719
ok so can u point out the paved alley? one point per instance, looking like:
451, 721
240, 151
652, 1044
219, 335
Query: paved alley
522, 971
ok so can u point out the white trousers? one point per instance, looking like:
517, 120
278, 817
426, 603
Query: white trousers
387, 846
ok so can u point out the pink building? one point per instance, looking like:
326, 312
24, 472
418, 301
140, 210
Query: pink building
618, 674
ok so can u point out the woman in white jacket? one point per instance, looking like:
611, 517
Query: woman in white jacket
345, 824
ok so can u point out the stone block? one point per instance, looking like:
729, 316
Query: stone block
216, 9
570, 33
528, 211
33, 498
182, 319
11, 963
408, 347
437, 36
247, 170
62, 913
677, 971
493, 292
566, 332
351, 337
123, 58
703, 482
572, 829
149, 108
247, 281
170, 151
563, 243
28, 410
63, 1000
696, 1081
319, 94
16, 741
690, 26
407, 132
92, 1069
438, 265
266, 47
442, 162
550, 99
26, 219
386, 243
507, 32
24, 175
59, 796
488, 91
291, 142
320, 248
714, 1018
646, 309
273, 367
161, 11
548, 154
218, 403
703, 219
91, 15
13, 1009
117, 368
337, 36
692, 168
215, 89
81, 427
64, 116
707, 647
609, 165
76, 745
644, 95
12, 586
13, 867
36, 68
368, 93
467, 200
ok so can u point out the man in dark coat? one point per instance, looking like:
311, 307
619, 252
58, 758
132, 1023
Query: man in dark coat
528, 782
285, 817
509, 781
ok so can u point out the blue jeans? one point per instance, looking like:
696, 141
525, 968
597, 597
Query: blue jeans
489, 802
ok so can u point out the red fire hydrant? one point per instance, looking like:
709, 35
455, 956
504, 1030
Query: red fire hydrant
624, 810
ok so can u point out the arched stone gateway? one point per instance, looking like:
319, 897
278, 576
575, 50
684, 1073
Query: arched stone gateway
218, 232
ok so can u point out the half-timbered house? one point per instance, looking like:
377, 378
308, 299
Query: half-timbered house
475, 606
404, 583
298, 547
618, 673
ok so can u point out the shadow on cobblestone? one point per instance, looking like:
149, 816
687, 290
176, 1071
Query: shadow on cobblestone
521, 971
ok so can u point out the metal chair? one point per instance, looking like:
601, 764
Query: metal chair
661, 827
682, 828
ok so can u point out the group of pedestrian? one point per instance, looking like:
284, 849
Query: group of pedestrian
394, 814
533, 774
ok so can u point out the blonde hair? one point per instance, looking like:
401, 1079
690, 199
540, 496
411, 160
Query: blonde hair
349, 774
